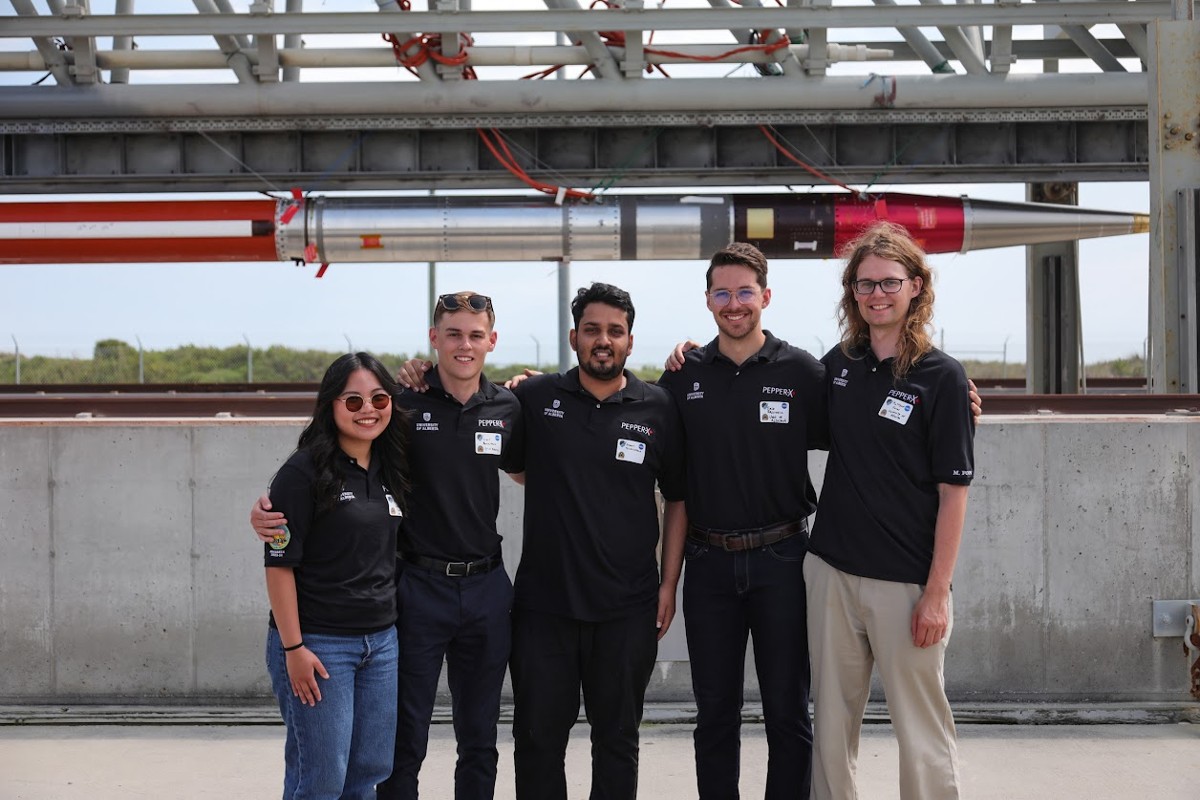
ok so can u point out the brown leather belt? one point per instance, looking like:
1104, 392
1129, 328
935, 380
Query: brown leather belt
736, 541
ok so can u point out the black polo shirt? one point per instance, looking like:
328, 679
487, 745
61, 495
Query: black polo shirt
344, 558
457, 452
748, 429
893, 442
591, 516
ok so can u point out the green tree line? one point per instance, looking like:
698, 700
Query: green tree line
114, 361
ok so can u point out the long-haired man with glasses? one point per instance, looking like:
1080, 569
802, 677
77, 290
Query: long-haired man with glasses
454, 594
889, 524
752, 406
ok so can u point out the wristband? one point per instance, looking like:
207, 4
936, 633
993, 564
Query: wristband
294, 647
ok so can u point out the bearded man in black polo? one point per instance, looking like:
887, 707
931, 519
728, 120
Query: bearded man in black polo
590, 602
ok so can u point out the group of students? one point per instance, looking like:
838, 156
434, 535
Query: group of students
383, 557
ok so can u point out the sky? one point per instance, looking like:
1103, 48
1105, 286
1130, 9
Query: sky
980, 313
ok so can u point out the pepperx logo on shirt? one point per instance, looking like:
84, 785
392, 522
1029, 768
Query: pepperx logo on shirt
491, 423
633, 426
779, 391
915, 399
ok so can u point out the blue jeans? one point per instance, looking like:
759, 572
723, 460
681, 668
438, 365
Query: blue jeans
726, 598
342, 746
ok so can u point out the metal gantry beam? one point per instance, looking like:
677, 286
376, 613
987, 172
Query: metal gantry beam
358, 154
1091, 12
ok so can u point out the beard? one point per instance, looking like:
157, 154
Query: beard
606, 373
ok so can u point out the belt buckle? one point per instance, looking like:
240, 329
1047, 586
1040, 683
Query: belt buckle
458, 569
727, 542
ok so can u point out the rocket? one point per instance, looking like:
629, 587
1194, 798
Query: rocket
479, 229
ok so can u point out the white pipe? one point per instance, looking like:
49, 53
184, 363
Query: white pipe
120, 44
54, 60
293, 41
1067, 90
230, 45
496, 56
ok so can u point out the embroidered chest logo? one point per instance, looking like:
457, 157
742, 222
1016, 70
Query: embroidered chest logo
491, 423
779, 390
346, 497
554, 410
915, 399
424, 424
695, 393
840, 380
633, 426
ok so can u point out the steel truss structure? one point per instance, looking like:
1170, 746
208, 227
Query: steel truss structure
934, 94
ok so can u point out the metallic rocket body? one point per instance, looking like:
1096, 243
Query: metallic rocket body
625, 228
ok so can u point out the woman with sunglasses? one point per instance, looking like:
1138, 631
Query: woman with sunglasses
331, 573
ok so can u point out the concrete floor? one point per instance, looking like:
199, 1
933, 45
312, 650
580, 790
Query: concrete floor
999, 762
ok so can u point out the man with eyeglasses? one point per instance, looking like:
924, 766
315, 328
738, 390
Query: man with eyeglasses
454, 594
752, 406
890, 522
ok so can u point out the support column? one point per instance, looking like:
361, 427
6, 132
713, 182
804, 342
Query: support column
565, 296
1174, 143
1053, 326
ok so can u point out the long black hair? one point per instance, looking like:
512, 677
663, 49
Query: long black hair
320, 438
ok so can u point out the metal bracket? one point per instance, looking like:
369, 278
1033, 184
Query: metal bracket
1170, 617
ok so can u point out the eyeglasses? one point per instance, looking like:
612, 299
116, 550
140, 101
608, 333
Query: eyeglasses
354, 402
721, 297
888, 285
474, 302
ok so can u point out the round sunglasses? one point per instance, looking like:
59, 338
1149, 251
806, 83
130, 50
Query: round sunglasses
354, 402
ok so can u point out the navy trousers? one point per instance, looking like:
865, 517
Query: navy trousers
464, 621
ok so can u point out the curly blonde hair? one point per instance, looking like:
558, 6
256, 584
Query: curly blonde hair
892, 242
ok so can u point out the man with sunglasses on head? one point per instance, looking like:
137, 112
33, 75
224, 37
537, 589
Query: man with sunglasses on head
590, 602
752, 406
454, 594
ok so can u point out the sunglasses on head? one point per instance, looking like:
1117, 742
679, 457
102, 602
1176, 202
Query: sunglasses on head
354, 402
473, 302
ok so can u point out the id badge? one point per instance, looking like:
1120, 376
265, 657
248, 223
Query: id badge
774, 411
393, 507
487, 444
631, 451
896, 410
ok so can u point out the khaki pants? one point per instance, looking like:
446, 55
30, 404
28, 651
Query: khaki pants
853, 624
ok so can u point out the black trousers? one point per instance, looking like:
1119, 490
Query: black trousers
464, 621
726, 598
552, 658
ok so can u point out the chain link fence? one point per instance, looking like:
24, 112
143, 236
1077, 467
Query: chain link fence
117, 362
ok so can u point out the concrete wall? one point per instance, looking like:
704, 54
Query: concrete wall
129, 571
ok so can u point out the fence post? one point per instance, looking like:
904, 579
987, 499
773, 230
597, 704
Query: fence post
17, 349
249, 359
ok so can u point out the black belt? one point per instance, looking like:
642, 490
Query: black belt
736, 541
454, 569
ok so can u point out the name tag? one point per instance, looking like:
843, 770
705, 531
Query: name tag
629, 450
896, 410
487, 444
774, 411
393, 507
